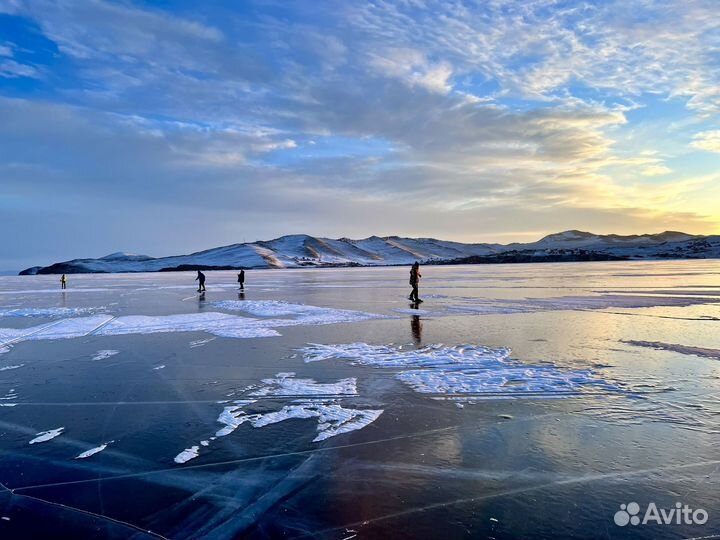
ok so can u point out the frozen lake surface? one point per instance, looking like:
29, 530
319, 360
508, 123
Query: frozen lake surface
519, 401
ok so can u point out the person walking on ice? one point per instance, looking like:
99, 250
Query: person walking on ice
63, 282
201, 278
241, 279
415, 276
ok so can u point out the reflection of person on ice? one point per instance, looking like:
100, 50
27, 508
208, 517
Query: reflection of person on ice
201, 278
415, 276
241, 279
63, 282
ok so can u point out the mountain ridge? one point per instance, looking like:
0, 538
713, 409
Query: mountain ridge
302, 250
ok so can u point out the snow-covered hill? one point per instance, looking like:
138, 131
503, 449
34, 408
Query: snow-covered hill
302, 250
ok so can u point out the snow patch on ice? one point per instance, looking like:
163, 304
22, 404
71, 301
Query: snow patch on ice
93, 451
45, 436
11, 394
161, 366
333, 419
285, 384
5, 368
47, 312
218, 324
233, 417
187, 454
302, 314
200, 342
105, 354
465, 370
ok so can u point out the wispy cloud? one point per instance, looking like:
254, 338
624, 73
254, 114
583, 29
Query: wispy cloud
707, 140
441, 118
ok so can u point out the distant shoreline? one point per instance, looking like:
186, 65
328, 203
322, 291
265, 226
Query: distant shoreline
304, 251
455, 262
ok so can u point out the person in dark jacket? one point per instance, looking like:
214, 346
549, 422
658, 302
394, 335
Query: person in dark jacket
63, 282
241, 279
414, 282
201, 278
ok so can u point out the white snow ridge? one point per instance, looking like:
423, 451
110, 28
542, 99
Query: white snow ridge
465, 371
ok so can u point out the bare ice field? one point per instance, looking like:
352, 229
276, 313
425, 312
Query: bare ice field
518, 401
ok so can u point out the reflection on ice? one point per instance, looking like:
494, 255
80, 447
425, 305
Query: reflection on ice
682, 349
465, 369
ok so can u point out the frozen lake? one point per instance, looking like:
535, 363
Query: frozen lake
518, 401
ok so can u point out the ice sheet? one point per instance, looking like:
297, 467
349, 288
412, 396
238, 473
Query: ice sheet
465, 369
45, 436
561, 303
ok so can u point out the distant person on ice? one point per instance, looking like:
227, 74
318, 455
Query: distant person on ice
63, 282
201, 278
241, 279
415, 276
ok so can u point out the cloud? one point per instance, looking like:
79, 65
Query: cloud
413, 68
707, 140
437, 118
11, 69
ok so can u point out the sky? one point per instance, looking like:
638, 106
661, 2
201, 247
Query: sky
168, 127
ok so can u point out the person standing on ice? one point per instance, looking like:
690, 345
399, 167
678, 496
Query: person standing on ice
241, 279
63, 282
415, 276
201, 278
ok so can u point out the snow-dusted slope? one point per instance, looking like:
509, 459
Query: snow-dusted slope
303, 250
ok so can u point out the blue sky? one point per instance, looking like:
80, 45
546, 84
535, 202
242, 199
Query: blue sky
168, 127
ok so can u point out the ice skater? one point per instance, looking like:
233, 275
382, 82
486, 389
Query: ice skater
63, 282
415, 276
241, 279
201, 278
